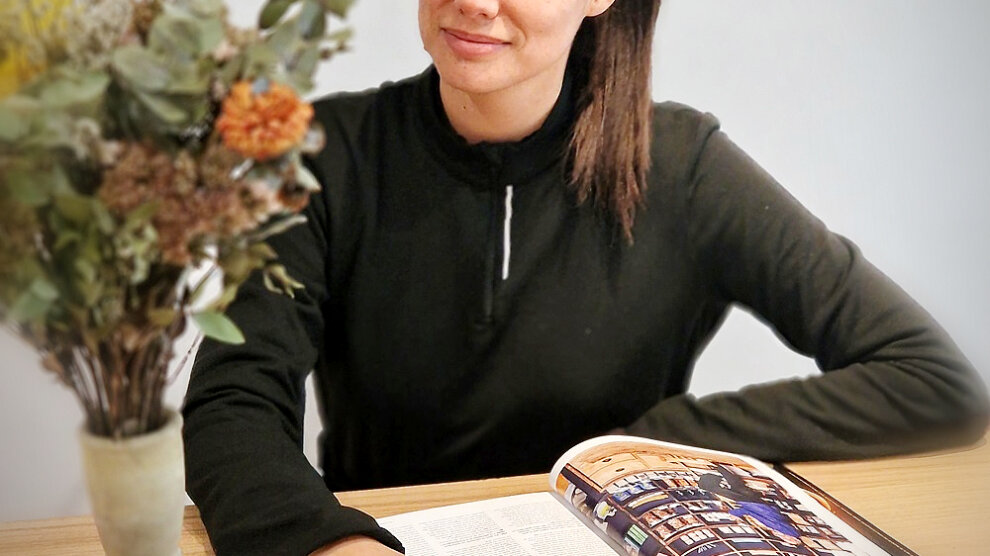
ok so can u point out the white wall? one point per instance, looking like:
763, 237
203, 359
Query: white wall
873, 114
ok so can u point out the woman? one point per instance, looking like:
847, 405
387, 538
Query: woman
517, 250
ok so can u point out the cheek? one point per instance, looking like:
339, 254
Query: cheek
428, 10
550, 33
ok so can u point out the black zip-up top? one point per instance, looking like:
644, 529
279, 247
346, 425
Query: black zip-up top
466, 318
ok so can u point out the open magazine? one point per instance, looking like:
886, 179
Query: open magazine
638, 497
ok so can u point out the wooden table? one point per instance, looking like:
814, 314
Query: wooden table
934, 503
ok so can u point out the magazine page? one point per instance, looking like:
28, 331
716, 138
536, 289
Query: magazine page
658, 498
526, 525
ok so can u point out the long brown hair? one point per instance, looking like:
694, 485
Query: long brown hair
610, 145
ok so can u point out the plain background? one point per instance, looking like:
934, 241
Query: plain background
873, 114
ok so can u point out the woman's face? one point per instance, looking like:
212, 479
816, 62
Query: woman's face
483, 46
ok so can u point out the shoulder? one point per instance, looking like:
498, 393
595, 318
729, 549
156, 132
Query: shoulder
679, 135
345, 116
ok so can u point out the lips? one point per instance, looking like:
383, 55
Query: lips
471, 46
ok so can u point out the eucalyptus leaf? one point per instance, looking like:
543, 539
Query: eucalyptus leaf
278, 272
180, 33
44, 289
263, 251
28, 307
300, 82
312, 20
174, 35
190, 79
273, 12
340, 35
217, 326
306, 179
306, 60
225, 298
231, 71
211, 34
141, 215
206, 7
28, 187
277, 226
163, 108
13, 126
51, 130
77, 209
161, 317
72, 90
104, 220
259, 61
337, 7
66, 238
284, 40
141, 68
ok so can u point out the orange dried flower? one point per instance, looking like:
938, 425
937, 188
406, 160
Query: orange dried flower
263, 125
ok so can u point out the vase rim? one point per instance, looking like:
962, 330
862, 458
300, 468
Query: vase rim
173, 421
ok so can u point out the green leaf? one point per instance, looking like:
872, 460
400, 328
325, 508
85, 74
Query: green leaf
217, 326
274, 227
225, 299
141, 215
85, 270
304, 65
66, 238
312, 20
288, 284
179, 33
28, 187
284, 40
260, 60
44, 289
141, 68
162, 108
340, 35
27, 307
206, 8
305, 178
77, 209
337, 7
13, 126
231, 71
174, 35
263, 251
161, 317
104, 220
211, 34
34, 302
72, 90
273, 12
53, 129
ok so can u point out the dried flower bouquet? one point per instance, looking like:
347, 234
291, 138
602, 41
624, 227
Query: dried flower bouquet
139, 141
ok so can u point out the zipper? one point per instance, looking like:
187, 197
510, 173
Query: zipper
507, 232
499, 249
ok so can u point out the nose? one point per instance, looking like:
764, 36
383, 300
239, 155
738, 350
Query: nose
486, 9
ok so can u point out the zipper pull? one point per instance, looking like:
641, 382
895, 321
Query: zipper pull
507, 233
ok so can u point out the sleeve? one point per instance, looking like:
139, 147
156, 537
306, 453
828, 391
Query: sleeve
243, 411
893, 382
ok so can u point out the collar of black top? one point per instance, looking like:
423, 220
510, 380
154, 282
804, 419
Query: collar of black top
489, 165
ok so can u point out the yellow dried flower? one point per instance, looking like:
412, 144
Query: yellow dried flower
30, 31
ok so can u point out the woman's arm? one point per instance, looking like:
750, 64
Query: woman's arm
893, 381
355, 546
245, 468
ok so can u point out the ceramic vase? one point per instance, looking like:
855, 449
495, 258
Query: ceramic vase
137, 490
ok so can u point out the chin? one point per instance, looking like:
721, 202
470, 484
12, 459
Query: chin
473, 78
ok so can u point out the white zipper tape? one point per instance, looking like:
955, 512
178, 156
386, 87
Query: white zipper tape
507, 233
